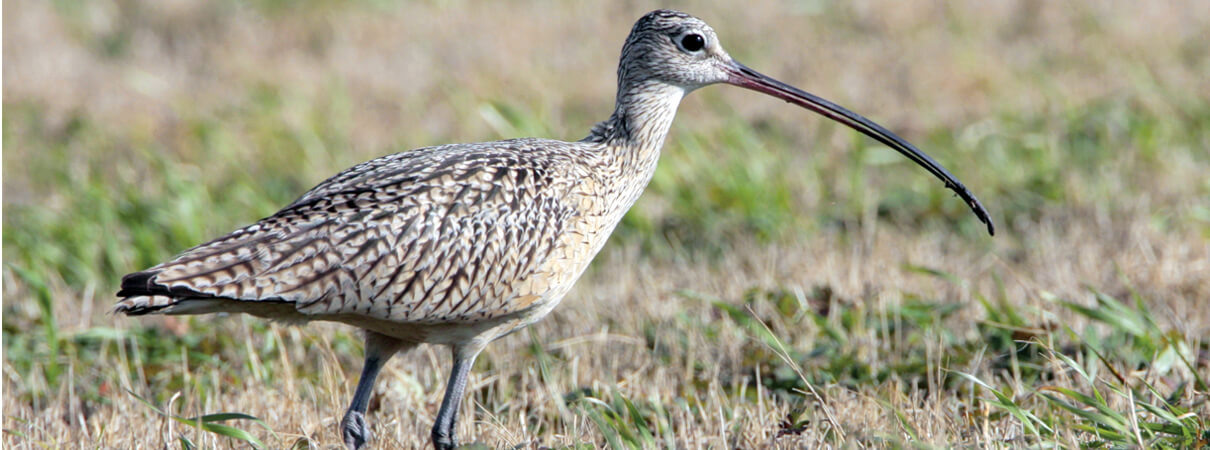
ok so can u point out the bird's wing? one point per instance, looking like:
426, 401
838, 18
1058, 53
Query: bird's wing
436, 235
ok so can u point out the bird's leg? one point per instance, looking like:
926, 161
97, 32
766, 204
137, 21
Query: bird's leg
379, 349
443, 429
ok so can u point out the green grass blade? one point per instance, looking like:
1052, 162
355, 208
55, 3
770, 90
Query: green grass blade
1028, 419
209, 423
186, 444
639, 422
222, 430
1098, 417
610, 432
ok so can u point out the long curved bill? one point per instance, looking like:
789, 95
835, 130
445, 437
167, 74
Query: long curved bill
745, 77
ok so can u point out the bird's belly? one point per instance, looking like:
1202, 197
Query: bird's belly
536, 297
574, 251
447, 333
497, 306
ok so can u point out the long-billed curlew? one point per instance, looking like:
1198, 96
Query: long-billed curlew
462, 244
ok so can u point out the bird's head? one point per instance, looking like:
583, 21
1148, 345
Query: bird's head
674, 48
671, 48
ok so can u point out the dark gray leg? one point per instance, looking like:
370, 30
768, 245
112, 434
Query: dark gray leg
443, 429
379, 349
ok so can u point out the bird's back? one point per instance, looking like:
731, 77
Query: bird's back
452, 234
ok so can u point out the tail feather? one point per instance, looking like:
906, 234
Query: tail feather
138, 280
142, 295
144, 283
139, 305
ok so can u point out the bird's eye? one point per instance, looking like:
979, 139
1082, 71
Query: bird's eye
693, 42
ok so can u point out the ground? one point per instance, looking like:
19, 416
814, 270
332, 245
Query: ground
783, 282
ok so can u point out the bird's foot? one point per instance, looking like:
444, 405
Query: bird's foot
354, 430
444, 440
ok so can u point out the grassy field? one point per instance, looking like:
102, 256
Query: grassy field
783, 282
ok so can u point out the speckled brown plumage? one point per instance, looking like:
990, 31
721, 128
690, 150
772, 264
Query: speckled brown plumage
442, 235
461, 244
450, 234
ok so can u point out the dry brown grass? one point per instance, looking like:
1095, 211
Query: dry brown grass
414, 75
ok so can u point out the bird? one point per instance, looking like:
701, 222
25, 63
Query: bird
461, 244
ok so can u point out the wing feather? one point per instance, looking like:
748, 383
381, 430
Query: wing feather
443, 234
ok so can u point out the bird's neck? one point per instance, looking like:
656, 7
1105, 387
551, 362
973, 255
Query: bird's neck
630, 142
636, 130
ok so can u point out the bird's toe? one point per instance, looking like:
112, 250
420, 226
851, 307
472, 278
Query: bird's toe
354, 430
443, 440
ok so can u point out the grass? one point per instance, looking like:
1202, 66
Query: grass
783, 282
